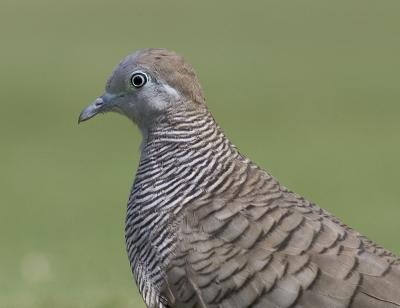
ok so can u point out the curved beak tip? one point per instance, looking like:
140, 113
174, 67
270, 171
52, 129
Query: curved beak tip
84, 117
91, 110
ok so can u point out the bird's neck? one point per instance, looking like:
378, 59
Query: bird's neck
179, 158
182, 160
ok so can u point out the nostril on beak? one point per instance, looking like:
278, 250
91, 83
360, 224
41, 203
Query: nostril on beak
98, 102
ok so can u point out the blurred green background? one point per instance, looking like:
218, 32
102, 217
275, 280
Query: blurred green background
308, 89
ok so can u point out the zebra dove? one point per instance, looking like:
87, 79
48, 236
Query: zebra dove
206, 227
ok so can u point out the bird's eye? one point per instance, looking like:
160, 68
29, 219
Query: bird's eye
139, 79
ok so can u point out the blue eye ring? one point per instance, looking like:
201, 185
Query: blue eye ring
139, 79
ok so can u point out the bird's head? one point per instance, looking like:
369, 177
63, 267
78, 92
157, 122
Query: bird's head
147, 84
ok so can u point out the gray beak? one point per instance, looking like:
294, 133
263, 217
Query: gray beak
93, 109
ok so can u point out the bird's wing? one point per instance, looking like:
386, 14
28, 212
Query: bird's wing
258, 245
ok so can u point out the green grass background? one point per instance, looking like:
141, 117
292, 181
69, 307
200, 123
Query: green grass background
308, 89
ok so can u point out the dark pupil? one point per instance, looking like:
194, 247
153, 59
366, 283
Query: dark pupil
138, 80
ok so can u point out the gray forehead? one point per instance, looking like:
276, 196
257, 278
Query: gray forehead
122, 72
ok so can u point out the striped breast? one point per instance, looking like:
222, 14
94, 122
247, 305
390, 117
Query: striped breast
180, 163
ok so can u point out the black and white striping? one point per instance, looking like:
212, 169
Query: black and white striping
178, 164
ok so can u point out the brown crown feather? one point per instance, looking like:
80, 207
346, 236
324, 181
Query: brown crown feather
173, 69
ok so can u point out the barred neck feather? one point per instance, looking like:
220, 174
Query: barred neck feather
184, 156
